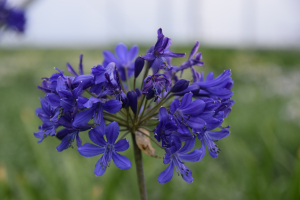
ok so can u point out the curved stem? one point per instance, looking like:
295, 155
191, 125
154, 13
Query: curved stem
139, 169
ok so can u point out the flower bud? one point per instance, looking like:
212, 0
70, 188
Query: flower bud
132, 98
180, 85
138, 66
138, 92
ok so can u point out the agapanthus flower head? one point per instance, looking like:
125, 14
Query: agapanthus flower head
12, 18
101, 101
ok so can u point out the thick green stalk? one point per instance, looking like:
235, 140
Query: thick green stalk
139, 169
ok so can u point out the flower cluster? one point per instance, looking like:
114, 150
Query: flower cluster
11, 18
176, 111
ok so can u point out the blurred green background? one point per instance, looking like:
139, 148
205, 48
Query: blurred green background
260, 159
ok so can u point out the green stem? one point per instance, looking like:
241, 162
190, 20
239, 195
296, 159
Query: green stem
111, 120
127, 79
145, 74
112, 116
91, 93
139, 106
134, 80
139, 169
123, 135
144, 108
152, 124
157, 106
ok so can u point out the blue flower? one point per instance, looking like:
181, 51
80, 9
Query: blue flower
109, 149
12, 18
219, 87
187, 113
207, 139
154, 84
165, 128
51, 115
95, 110
123, 60
80, 68
193, 61
175, 155
68, 135
159, 53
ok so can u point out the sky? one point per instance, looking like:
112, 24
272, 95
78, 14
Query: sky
92, 23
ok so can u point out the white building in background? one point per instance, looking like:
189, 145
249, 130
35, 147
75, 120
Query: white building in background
95, 23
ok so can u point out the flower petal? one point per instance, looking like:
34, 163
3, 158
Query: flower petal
196, 122
121, 51
218, 135
174, 106
148, 57
171, 54
194, 108
112, 132
92, 100
187, 176
122, 145
71, 69
186, 100
99, 169
90, 150
166, 175
97, 137
83, 117
193, 156
112, 106
188, 145
108, 58
132, 53
122, 162
194, 50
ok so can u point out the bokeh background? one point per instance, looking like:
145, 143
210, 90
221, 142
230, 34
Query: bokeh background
258, 39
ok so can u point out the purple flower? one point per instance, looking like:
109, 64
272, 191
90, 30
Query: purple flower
175, 155
219, 87
193, 61
51, 115
154, 84
68, 135
207, 139
165, 128
70, 99
187, 113
96, 107
114, 85
80, 68
123, 60
109, 149
12, 18
160, 53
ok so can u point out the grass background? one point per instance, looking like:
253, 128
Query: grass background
260, 159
